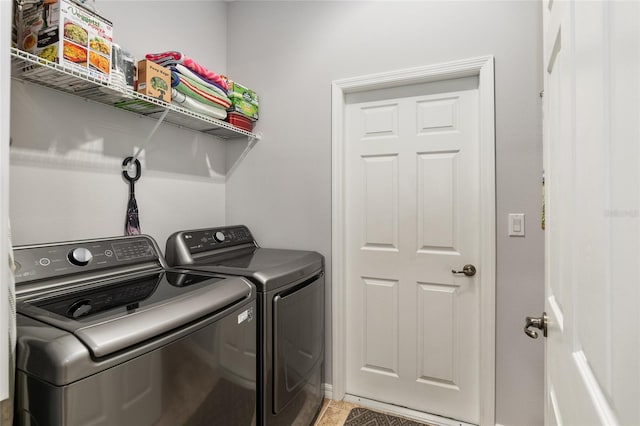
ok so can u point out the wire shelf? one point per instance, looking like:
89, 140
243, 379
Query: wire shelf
31, 68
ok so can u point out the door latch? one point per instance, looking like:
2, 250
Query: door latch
537, 322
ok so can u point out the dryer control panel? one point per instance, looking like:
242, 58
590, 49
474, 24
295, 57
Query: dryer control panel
201, 240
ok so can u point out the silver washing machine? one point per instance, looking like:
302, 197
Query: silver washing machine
107, 335
290, 285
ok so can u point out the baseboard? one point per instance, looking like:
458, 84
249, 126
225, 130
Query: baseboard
328, 390
404, 412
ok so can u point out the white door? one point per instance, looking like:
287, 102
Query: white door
592, 167
412, 215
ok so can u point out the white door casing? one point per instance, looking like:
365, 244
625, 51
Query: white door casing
591, 157
5, 111
431, 252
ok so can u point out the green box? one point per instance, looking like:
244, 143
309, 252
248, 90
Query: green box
243, 100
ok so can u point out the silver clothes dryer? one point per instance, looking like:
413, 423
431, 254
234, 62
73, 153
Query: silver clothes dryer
290, 285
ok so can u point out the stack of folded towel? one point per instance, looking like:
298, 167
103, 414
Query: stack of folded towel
194, 87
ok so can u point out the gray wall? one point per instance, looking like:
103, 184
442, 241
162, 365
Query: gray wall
65, 181
291, 51
66, 152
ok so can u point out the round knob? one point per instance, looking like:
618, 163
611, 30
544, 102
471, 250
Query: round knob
219, 237
80, 256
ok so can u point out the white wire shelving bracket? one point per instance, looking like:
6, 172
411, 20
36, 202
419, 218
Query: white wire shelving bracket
33, 69
153, 132
251, 142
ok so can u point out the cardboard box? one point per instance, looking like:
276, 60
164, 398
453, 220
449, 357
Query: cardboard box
65, 32
154, 80
243, 100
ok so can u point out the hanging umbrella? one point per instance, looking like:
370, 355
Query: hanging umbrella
132, 221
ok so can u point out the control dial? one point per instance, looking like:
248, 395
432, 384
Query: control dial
80, 256
219, 237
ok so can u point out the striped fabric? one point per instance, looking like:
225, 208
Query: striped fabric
173, 58
196, 77
191, 104
197, 91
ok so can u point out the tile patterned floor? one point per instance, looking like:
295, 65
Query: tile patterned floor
334, 413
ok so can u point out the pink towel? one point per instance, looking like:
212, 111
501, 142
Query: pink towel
173, 58
160, 58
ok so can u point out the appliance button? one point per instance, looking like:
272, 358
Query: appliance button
45, 261
80, 256
219, 237
108, 253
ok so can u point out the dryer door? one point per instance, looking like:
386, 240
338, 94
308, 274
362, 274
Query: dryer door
298, 339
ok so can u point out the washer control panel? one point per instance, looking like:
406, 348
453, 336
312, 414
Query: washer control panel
55, 260
216, 238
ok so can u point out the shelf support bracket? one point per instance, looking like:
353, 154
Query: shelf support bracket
153, 131
251, 141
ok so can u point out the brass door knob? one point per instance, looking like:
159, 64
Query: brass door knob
468, 270
537, 322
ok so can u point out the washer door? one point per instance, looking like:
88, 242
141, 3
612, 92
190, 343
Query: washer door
298, 339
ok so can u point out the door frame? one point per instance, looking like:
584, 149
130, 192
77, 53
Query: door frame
483, 68
7, 317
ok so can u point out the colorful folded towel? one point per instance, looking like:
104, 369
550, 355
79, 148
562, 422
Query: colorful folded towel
173, 58
159, 58
197, 91
186, 102
198, 78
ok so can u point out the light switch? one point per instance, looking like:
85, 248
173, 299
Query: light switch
516, 224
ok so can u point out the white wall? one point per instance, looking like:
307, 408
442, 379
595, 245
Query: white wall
289, 52
66, 152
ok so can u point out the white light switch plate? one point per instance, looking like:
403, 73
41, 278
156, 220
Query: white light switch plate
516, 224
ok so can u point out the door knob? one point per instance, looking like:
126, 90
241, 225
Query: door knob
537, 322
468, 270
